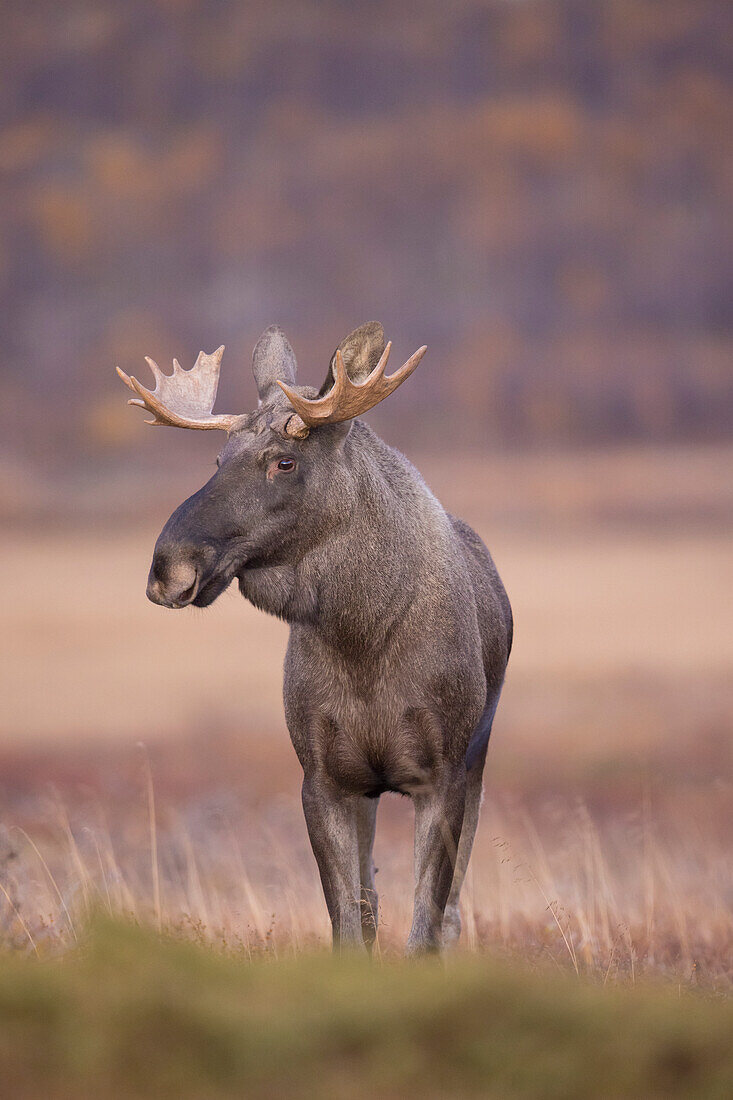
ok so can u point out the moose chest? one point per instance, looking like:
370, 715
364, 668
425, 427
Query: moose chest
372, 748
367, 727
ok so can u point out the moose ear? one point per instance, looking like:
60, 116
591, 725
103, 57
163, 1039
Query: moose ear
361, 350
273, 359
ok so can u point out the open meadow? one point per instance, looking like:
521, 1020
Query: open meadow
146, 768
147, 778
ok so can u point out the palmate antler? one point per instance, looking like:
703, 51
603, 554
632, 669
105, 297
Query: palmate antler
185, 398
347, 399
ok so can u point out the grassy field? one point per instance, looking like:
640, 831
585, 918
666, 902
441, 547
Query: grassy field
602, 857
128, 1015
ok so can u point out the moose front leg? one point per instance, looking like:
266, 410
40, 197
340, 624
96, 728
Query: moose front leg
332, 827
438, 822
366, 816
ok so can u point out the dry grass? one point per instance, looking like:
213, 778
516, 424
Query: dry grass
616, 897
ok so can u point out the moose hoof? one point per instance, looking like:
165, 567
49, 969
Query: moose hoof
424, 945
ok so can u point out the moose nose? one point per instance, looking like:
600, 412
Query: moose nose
173, 581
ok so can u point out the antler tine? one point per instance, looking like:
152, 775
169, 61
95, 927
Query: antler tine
347, 399
157, 372
381, 365
399, 376
185, 398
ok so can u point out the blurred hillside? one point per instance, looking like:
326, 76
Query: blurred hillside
537, 190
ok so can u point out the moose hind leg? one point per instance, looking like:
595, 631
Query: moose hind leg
438, 821
474, 792
366, 821
332, 828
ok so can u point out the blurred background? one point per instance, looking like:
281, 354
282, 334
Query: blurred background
540, 190
537, 189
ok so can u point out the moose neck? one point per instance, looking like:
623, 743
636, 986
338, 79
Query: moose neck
384, 537
375, 568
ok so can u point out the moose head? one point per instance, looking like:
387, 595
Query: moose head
277, 486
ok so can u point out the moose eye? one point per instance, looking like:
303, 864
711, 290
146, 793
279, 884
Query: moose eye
280, 466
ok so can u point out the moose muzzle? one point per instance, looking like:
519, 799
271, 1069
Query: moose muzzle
175, 577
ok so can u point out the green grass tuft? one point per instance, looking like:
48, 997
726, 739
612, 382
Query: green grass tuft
132, 1015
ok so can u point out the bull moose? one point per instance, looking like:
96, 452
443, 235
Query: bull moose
400, 628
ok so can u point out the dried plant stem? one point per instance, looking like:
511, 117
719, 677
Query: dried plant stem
20, 920
52, 880
152, 824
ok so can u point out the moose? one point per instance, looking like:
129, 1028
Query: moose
400, 628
